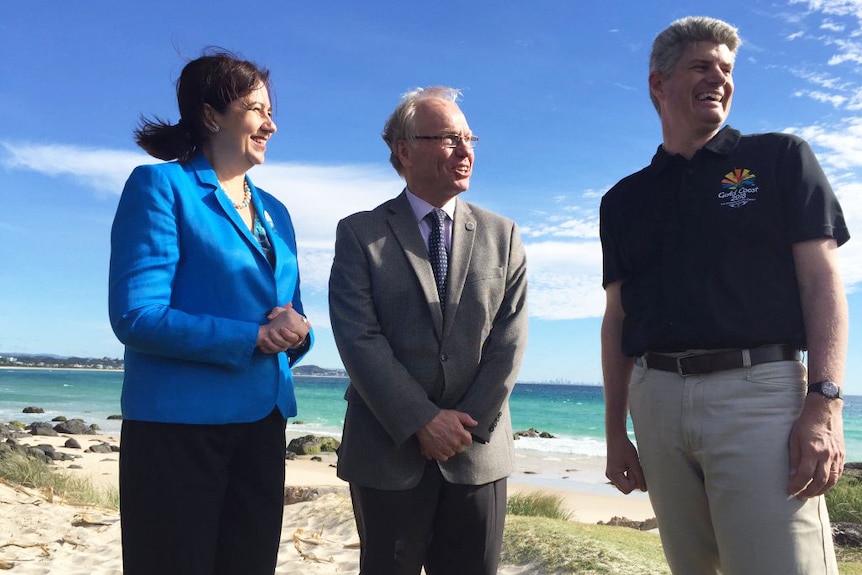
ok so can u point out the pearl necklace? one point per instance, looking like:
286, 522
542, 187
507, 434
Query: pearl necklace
246, 196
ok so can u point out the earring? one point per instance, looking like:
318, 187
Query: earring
215, 128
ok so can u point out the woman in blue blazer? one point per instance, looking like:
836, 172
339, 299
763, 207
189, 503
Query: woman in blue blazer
204, 293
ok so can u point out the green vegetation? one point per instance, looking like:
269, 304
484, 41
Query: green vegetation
567, 547
537, 504
539, 533
32, 473
845, 501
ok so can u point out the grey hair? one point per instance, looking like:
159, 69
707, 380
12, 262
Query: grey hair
671, 42
401, 125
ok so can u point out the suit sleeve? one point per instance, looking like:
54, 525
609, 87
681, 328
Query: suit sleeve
145, 255
503, 349
385, 386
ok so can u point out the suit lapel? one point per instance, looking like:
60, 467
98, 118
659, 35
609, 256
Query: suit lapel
207, 178
463, 236
402, 221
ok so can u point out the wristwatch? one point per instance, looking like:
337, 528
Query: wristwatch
828, 389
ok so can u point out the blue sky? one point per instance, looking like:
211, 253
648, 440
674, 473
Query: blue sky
556, 90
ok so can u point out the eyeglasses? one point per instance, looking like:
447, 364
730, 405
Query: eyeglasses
451, 140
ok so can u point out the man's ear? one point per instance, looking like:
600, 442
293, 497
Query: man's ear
656, 85
404, 150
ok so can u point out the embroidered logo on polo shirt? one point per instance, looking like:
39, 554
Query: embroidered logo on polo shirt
737, 188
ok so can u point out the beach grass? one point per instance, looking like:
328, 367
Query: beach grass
537, 504
539, 533
566, 547
29, 472
844, 501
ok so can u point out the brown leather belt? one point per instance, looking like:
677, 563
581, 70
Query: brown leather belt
699, 364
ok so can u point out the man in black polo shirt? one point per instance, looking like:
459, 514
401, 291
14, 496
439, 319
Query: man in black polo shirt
720, 266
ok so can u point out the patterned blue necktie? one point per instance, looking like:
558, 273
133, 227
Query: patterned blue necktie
437, 251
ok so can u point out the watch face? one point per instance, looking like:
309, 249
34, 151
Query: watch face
829, 389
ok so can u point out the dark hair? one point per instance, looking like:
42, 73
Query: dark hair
216, 78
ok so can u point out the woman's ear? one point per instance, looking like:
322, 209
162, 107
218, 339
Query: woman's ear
209, 115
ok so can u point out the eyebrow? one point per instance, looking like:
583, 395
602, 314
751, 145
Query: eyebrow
249, 104
709, 62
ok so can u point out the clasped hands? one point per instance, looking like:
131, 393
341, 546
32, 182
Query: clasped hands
286, 329
446, 435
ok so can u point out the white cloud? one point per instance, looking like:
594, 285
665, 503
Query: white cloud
825, 81
848, 52
840, 145
842, 38
318, 196
831, 26
850, 196
565, 280
835, 100
103, 170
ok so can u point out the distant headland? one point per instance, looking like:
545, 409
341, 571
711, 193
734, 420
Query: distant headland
49, 361
59, 362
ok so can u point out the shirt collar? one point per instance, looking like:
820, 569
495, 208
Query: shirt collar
723, 143
421, 208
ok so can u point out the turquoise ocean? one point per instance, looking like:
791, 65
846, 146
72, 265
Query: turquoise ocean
574, 414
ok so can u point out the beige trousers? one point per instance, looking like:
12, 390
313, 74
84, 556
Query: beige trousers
714, 450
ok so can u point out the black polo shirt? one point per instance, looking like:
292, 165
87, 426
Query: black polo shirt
703, 247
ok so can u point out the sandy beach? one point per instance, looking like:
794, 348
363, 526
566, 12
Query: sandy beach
40, 534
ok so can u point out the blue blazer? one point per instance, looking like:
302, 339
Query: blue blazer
189, 287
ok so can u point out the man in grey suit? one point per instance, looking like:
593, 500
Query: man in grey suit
427, 442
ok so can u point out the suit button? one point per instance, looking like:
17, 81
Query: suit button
444, 357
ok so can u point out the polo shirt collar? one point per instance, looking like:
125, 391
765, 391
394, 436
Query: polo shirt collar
723, 143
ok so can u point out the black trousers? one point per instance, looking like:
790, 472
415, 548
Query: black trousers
447, 528
202, 499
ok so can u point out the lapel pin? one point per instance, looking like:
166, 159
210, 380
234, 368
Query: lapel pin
470, 226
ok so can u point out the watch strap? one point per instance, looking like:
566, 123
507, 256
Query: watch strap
828, 389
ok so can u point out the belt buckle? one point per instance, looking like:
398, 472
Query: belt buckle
679, 369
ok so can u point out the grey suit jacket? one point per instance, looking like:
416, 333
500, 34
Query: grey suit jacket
406, 361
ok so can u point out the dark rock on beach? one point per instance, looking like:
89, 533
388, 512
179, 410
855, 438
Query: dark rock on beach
13, 436
36, 453
312, 445
42, 428
53, 454
75, 427
100, 448
847, 534
295, 494
533, 432
32, 409
853, 470
647, 525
